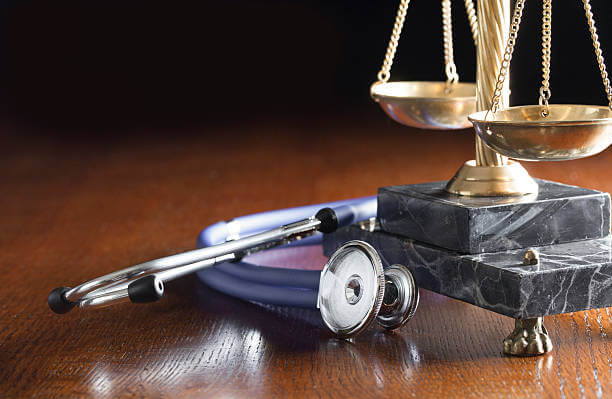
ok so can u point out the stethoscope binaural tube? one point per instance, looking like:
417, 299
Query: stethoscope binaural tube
261, 293
274, 276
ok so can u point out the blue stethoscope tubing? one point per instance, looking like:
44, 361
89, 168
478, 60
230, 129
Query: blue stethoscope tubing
273, 285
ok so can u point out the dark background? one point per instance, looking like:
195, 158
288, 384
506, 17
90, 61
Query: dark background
120, 63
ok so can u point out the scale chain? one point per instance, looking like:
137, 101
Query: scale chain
452, 76
598, 52
450, 68
546, 38
473, 20
503, 70
385, 72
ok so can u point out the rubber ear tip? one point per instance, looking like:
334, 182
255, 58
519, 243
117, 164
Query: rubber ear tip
329, 220
57, 300
146, 289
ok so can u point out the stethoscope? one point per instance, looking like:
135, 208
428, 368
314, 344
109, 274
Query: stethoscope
351, 291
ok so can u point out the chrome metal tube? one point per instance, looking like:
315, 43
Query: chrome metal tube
164, 274
174, 266
108, 299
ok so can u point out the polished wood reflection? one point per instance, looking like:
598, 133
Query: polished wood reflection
77, 207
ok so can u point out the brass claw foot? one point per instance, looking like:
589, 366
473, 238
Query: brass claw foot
529, 338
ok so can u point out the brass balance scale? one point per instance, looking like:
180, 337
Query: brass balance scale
492, 235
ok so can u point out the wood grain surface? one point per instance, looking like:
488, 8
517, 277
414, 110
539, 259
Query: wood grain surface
77, 206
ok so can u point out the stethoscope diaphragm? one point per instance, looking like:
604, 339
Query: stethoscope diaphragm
355, 289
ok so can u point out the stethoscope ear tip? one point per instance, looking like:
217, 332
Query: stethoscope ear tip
57, 300
146, 289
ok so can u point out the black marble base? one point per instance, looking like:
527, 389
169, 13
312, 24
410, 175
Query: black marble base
558, 213
570, 277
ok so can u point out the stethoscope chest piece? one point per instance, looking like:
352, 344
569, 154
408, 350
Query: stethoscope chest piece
355, 289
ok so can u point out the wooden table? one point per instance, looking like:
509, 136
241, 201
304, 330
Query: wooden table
75, 206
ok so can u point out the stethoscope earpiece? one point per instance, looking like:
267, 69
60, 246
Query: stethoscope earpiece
57, 300
355, 290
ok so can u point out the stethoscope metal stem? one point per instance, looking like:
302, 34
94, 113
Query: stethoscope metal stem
118, 293
113, 287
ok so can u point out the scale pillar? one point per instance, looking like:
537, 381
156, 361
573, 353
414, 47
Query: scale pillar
491, 174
